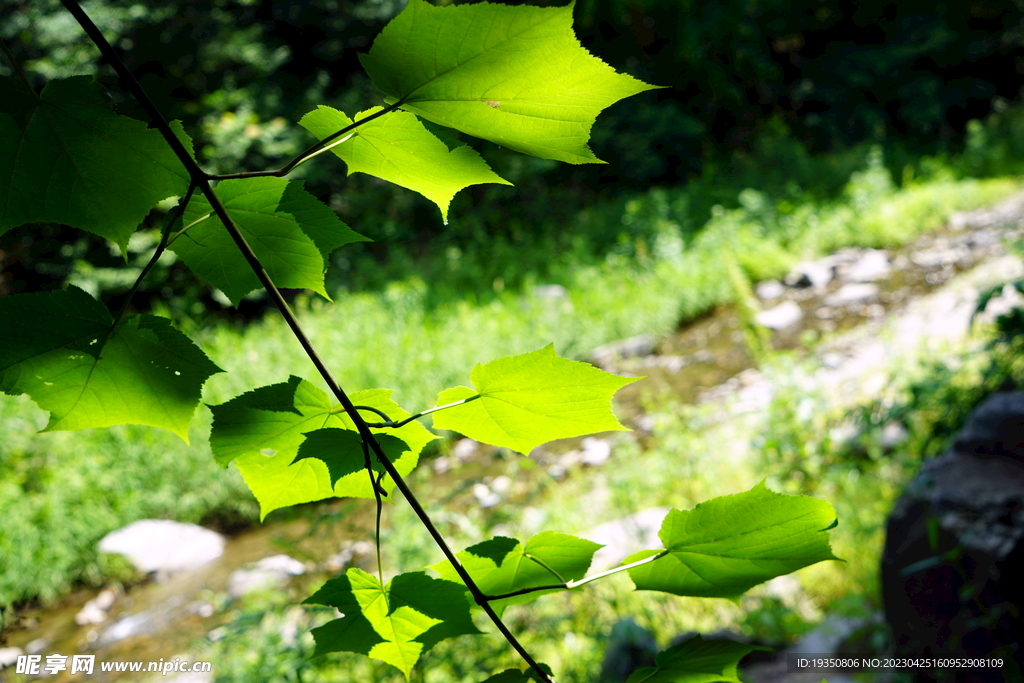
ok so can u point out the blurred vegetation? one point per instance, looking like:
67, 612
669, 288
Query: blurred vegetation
781, 97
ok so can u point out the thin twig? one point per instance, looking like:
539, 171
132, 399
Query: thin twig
165, 240
202, 180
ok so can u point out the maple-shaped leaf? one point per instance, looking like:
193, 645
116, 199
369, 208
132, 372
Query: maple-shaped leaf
514, 75
290, 230
503, 565
523, 401
727, 545
263, 430
342, 451
395, 623
60, 349
67, 157
696, 661
517, 676
397, 147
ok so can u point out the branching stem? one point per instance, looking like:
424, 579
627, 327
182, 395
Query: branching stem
201, 180
389, 424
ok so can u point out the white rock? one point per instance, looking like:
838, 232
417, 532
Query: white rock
625, 536
163, 545
872, 265
810, 274
595, 452
95, 611
485, 496
780, 317
769, 289
9, 655
549, 291
465, 449
267, 573
851, 293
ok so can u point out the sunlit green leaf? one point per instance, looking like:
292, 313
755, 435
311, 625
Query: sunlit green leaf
502, 565
696, 661
727, 545
58, 348
531, 399
290, 230
67, 157
262, 431
396, 623
397, 147
514, 75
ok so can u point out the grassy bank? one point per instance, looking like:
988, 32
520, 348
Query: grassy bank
807, 440
60, 492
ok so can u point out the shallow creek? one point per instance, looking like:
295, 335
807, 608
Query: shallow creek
704, 358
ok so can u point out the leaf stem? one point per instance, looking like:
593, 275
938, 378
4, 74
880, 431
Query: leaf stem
311, 151
202, 180
188, 227
395, 425
569, 585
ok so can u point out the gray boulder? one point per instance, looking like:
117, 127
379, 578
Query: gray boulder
953, 561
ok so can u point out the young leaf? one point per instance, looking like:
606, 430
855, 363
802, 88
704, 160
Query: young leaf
397, 147
514, 75
517, 676
395, 623
342, 451
502, 565
523, 401
59, 349
67, 157
696, 661
727, 545
262, 431
291, 231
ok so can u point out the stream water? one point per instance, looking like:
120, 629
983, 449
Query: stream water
703, 359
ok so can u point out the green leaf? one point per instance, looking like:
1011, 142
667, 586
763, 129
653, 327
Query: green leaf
58, 348
516, 76
527, 400
396, 623
262, 431
517, 676
67, 157
290, 230
342, 451
398, 148
502, 565
727, 545
696, 661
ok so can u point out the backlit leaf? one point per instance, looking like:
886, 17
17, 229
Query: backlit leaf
727, 545
67, 157
290, 230
514, 75
398, 148
503, 565
396, 623
696, 661
530, 399
262, 431
58, 348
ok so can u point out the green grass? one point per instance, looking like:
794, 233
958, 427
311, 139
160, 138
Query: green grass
61, 492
